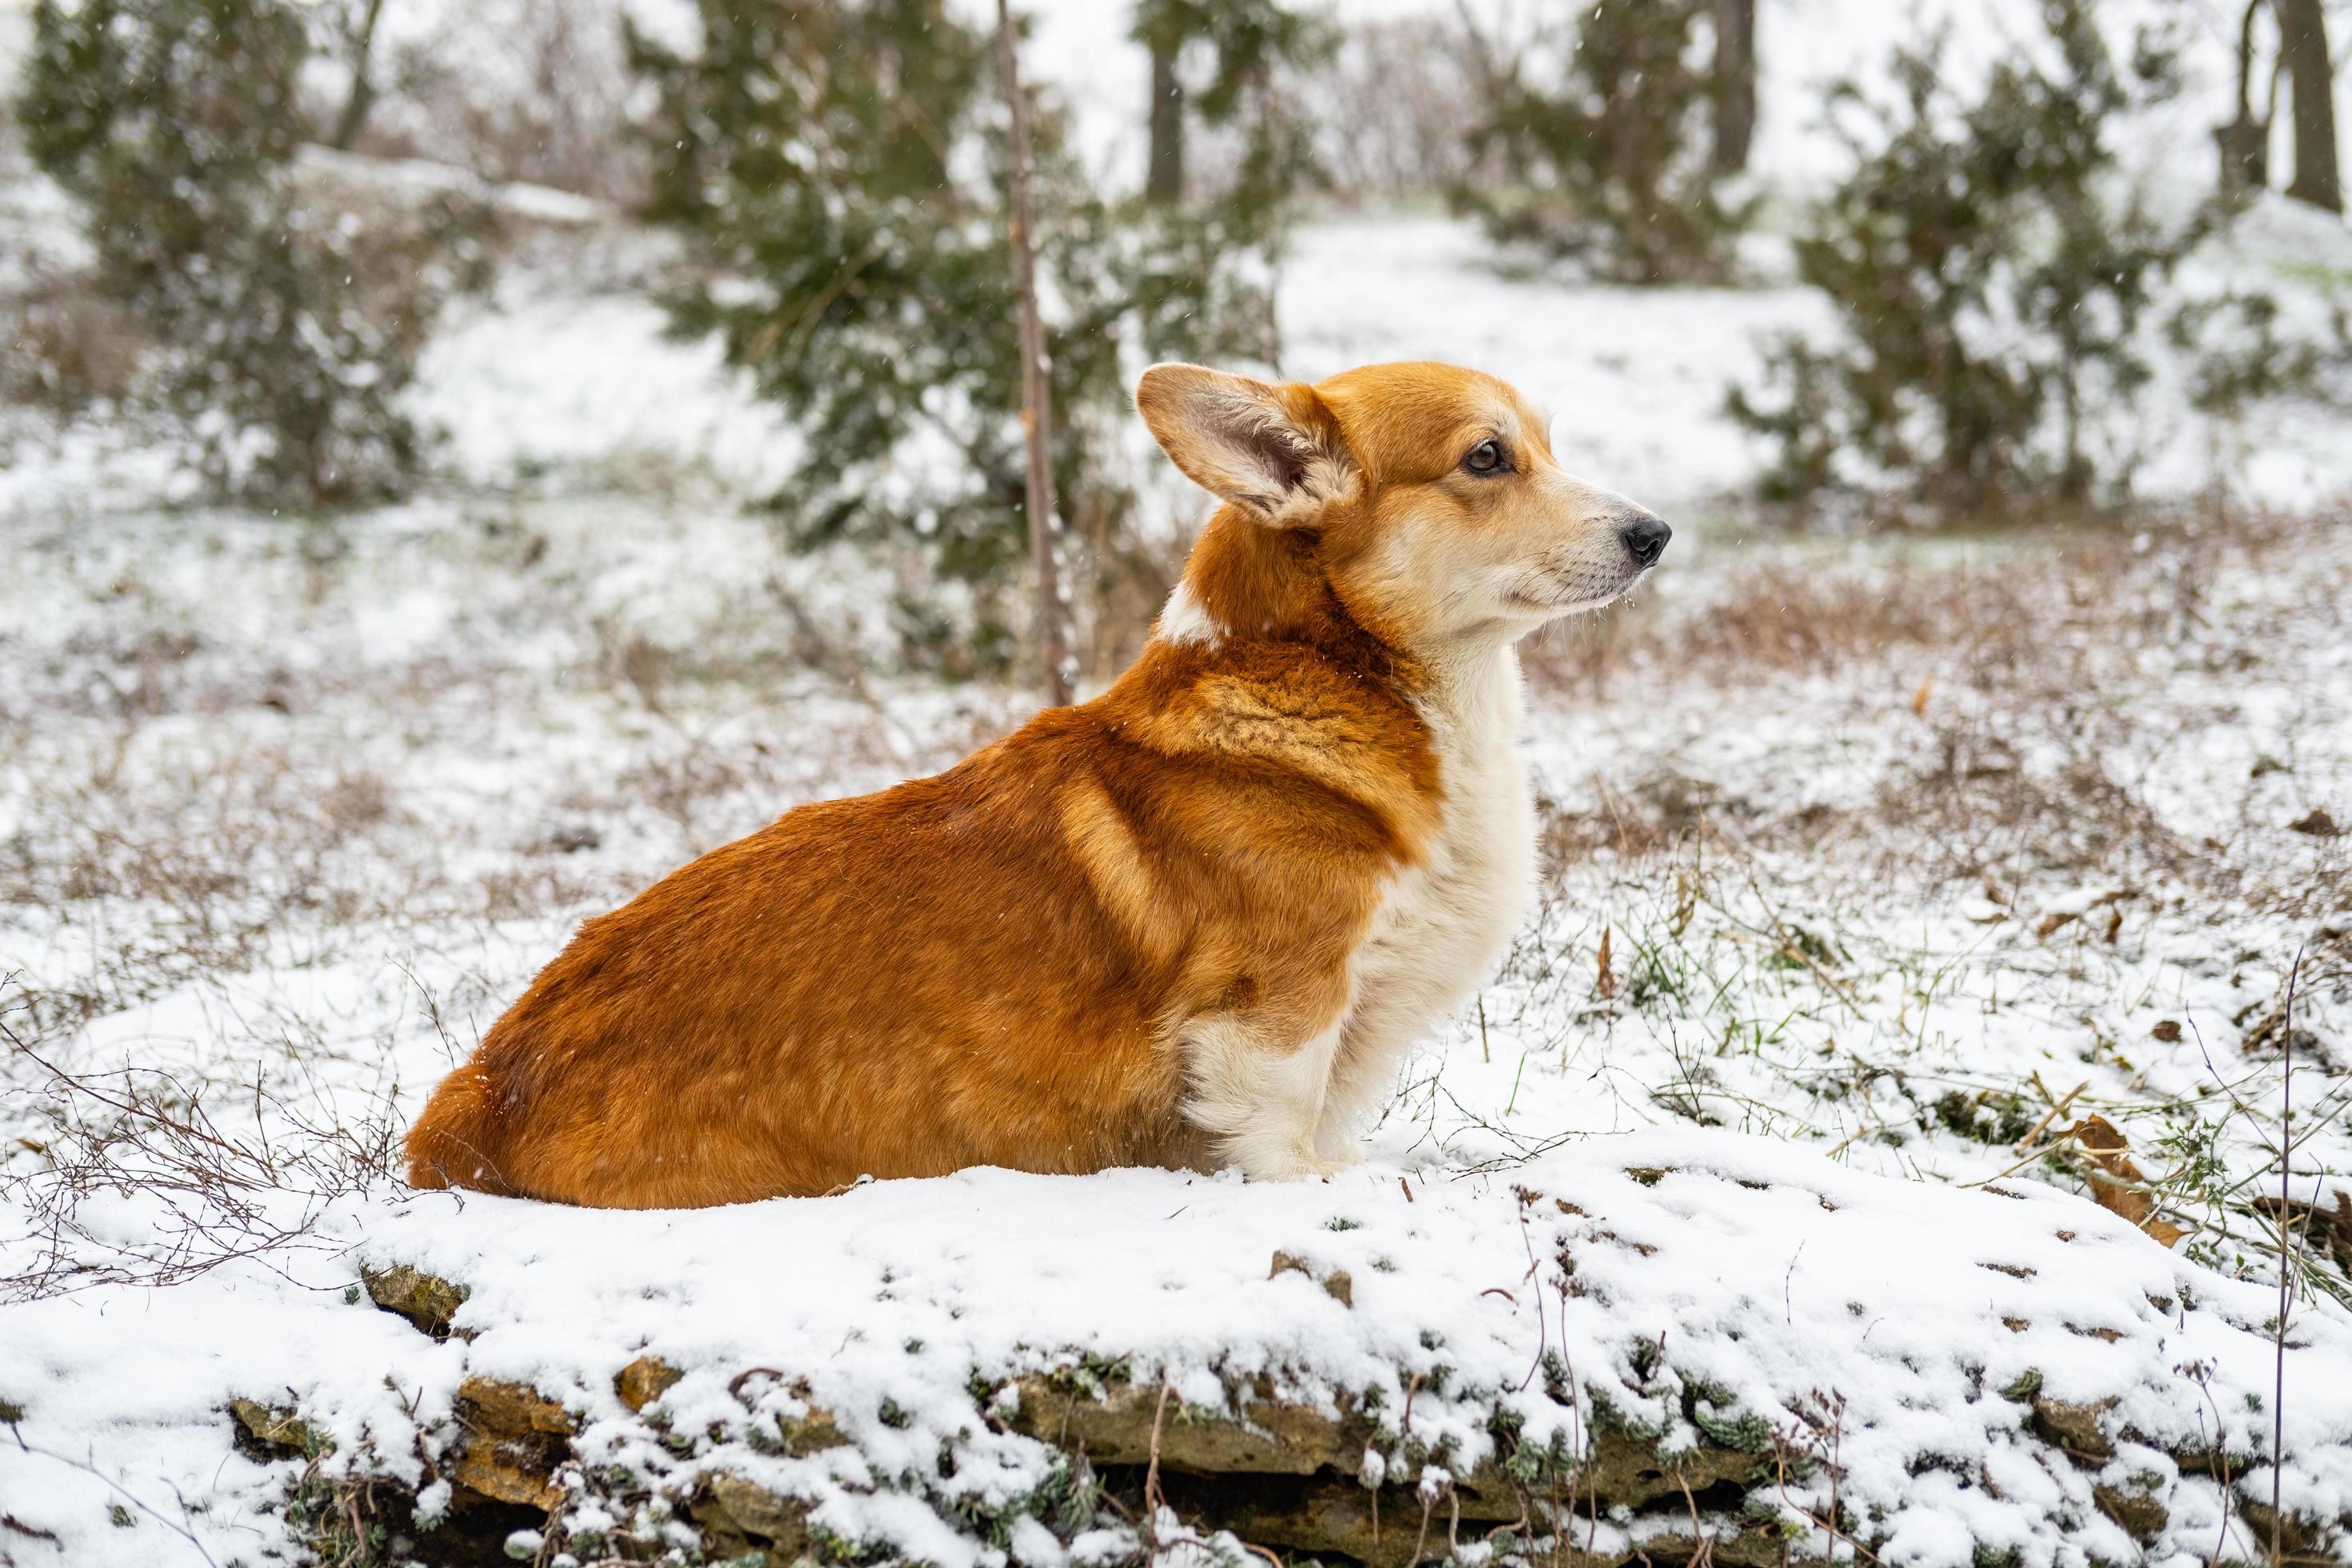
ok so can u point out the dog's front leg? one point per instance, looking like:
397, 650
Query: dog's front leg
1364, 1074
1259, 1094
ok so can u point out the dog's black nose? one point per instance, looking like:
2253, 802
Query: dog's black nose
1646, 539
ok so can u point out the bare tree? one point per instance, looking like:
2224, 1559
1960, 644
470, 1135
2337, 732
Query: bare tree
1394, 111
1735, 83
1165, 182
2244, 142
356, 27
1036, 396
2311, 77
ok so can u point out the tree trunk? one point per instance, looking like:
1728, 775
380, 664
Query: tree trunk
1735, 83
361, 46
1036, 397
2311, 76
2244, 142
1165, 183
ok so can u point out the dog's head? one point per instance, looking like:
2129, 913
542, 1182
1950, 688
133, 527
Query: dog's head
1439, 513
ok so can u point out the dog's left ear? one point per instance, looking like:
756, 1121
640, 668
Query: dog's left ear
1273, 450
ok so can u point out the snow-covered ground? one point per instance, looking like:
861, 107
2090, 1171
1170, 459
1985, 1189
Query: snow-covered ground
1872, 872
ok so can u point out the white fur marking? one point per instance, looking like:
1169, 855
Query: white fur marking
1184, 620
1285, 1113
1444, 922
1262, 1102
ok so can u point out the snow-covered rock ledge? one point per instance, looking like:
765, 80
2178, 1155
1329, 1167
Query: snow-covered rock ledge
1682, 1334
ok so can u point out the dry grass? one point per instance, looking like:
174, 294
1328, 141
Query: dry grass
69, 344
177, 809
1795, 616
2034, 730
203, 866
209, 1189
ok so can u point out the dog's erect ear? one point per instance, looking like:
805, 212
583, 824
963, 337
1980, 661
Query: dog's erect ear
1274, 451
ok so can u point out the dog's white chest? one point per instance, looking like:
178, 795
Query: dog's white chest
1445, 921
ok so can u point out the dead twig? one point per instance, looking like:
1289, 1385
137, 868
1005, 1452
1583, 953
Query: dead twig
1702, 1543
2287, 1257
1420, 1541
1152, 1500
2057, 1108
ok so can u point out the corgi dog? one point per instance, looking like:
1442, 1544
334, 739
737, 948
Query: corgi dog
1196, 921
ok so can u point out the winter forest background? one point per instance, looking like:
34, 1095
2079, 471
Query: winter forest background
458, 461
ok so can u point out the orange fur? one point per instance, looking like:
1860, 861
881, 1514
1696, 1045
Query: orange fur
1092, 943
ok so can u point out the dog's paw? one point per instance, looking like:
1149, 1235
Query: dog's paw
1342, 1147
1296, 1163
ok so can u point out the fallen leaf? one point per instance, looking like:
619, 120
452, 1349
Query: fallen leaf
2075, 906
2317, 824
2168, 1031
1919, 698
1605, 984
2109, 1152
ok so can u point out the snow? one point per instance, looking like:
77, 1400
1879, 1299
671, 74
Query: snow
1773, 1275
566, 379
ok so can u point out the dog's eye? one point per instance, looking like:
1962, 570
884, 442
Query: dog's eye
1486, 457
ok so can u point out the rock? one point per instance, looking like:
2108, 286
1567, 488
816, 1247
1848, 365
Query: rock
1487, 1494
1327, 1519
645, 1380
1337, 1284
2075, 1429
2142, 1516
1274, 1438
426, 1300
1277, 1474
806, 1433
2299, 1539
515, 1438
1626, 1467
276, 1434
1336, 1518
510, 1409
486, 1471
743, 1518
1266, 1437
